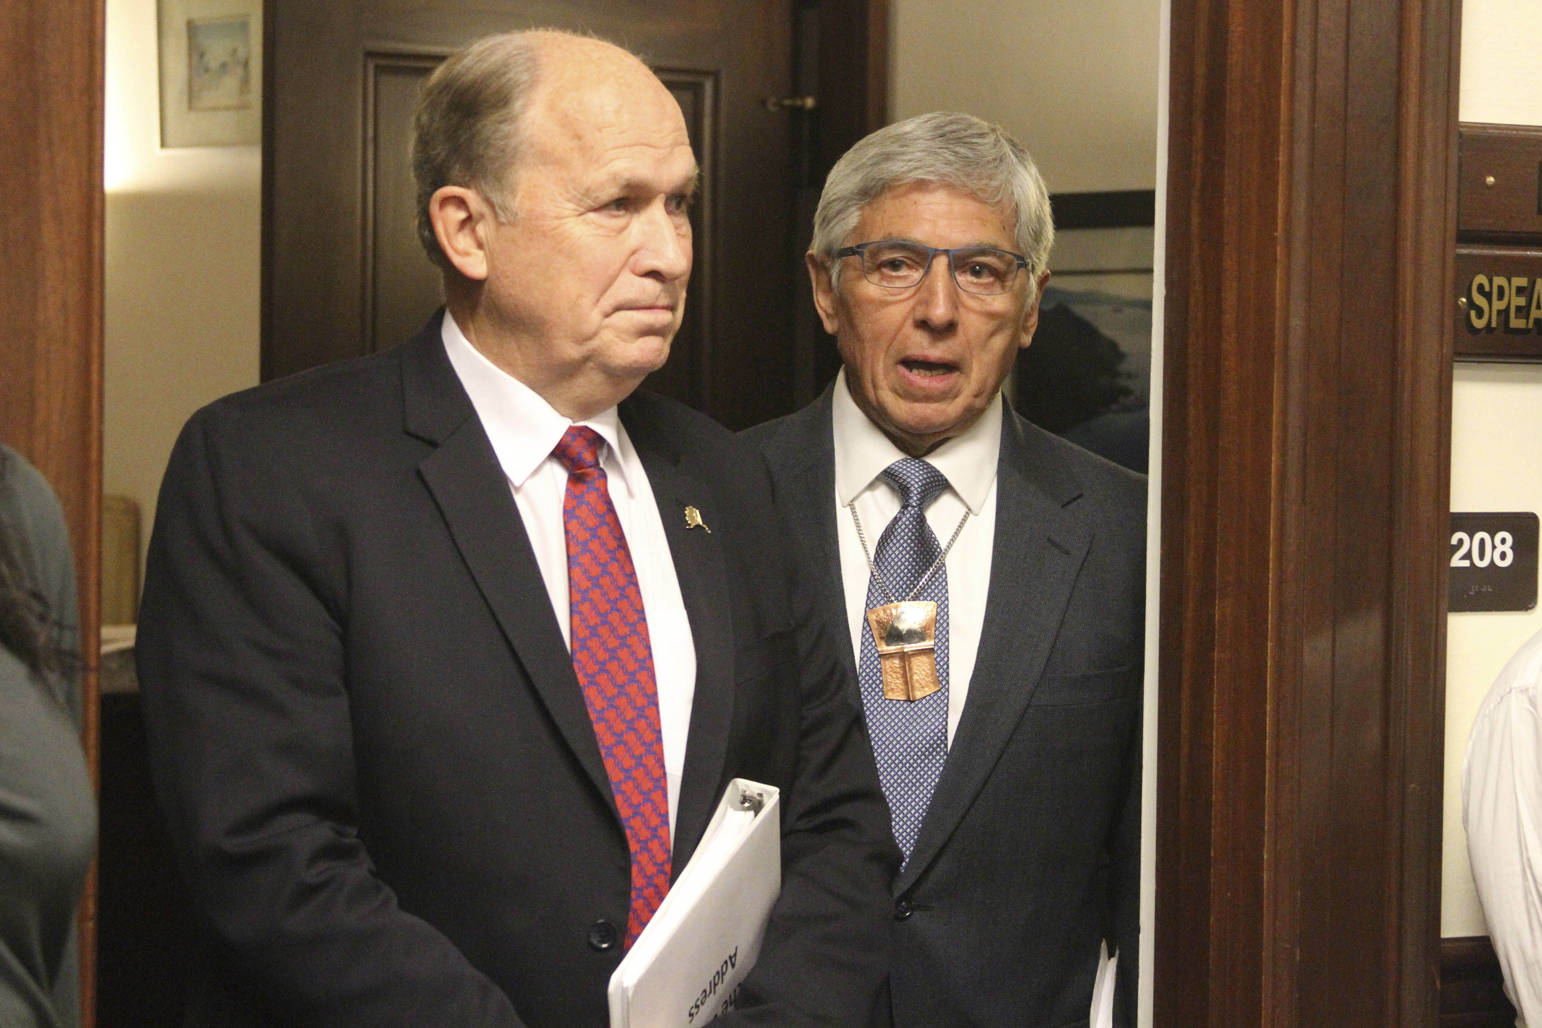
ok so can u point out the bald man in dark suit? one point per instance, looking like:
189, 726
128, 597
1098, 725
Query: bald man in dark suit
448, 652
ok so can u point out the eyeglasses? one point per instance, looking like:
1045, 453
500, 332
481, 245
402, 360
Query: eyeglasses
900, 264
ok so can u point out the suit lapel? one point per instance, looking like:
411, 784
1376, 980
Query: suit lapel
702, 572
1036, 557
472, 494
803, 455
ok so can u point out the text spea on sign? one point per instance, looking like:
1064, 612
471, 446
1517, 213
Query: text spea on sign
1510, 303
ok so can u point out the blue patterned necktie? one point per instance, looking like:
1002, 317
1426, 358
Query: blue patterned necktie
910, 737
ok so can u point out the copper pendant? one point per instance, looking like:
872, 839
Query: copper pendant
906, 637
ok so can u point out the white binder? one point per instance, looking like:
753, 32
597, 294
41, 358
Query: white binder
1102, 1013
686, 966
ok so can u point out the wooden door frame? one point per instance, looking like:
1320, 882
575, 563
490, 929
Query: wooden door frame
51, 208
1305, 457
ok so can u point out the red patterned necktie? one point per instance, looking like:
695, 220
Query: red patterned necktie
613, 659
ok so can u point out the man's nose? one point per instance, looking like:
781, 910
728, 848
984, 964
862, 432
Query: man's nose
936, 302
665, 243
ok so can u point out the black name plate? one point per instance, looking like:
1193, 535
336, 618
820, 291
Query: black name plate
1493, 562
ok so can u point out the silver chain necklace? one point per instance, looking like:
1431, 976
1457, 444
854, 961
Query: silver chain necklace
882, 583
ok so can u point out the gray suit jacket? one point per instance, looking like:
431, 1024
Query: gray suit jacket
1030, 851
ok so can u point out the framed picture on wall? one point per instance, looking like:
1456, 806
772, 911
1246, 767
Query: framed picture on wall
1087, 375
211, 72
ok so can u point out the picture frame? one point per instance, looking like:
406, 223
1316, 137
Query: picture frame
1087, 374
210, 57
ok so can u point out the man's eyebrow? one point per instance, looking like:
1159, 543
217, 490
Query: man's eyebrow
689, 185
980, 245
630, 185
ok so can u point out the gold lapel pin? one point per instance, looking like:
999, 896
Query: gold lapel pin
693, 520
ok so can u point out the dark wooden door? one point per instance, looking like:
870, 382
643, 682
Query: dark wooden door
342, 270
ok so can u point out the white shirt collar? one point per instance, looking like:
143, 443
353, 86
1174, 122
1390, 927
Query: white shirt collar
862, 451
522, 426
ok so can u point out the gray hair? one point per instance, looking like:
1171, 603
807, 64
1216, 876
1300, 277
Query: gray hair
468, 129
944, 147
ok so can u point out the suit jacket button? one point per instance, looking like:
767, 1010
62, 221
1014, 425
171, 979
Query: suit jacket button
602, 936
902, 909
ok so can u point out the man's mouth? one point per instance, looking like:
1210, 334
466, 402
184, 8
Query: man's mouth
661, 303
925, 368
660, 311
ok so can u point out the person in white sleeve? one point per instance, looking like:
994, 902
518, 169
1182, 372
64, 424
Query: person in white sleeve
1502, 811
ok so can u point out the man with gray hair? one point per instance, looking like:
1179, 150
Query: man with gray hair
990, 578
449, 652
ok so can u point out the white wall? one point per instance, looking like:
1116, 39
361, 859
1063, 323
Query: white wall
1074, 80
1496, 436
182, 245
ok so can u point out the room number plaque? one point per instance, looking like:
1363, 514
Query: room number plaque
1493, 561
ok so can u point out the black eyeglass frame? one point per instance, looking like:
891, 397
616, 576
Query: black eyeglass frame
860, 250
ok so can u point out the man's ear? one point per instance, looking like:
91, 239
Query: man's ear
824, 292
1031, 315
462, 220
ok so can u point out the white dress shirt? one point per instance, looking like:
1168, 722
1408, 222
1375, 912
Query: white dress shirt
1502, 811
524, 429
968, 461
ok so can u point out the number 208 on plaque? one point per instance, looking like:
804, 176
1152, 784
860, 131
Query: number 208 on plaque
1493, 562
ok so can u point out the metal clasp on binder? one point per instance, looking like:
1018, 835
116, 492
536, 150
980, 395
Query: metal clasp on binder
751, 801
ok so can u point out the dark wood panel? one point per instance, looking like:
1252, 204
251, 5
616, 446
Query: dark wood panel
1500, 183
149, 955
848, 49
1104, 210
51, 293
1215, 562
689, 373
400, 285
1305, 453
840, 57
1428, 37
1472, 986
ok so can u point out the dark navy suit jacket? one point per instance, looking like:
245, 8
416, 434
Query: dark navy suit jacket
373, 753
